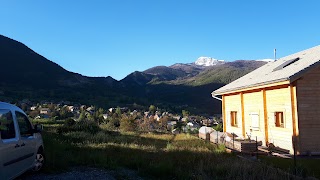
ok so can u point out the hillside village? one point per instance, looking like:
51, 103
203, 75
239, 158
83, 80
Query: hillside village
148, 120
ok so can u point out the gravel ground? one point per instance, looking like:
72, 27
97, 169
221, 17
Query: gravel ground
85, 173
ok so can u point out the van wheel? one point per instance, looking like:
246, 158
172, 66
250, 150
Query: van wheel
39, 161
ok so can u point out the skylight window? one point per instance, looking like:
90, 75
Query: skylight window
286, 63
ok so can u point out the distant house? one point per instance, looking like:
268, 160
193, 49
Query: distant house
193, 125
83, 107
45, 111
112, 110
157, 117
165, 113
185, 119
207, 122
171, 124
105, 116
134, 112
32, 108
178, 118
146, 114
278, 102
91, 108
73, 108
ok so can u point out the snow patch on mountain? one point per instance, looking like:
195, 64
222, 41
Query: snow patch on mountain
208, 61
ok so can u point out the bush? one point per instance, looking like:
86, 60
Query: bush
219, 127
82, 125
127, 123
111, 123
69, 122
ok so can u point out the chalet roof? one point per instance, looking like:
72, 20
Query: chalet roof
288, 68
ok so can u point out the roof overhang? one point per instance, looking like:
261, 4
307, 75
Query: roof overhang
302, 72
252, 87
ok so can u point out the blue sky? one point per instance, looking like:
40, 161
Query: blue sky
117, 37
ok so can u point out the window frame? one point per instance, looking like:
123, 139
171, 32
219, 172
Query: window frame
234, 119
279, 120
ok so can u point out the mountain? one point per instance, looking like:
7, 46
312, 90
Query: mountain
182, 71
28, 75
23, 67
195, 75
186, 86
166, 73
224, 73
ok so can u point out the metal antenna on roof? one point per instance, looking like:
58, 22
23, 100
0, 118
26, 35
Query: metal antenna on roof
275, 54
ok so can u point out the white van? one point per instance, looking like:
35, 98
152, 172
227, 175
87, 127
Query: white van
21, 146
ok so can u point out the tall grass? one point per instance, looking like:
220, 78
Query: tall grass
154, 156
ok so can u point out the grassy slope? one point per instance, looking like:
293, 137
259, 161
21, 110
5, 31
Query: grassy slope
152, 156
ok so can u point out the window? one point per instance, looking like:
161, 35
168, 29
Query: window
279, 121
234, 121
6, 124
24, 125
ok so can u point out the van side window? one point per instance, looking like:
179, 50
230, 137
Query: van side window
6, 124
24, 125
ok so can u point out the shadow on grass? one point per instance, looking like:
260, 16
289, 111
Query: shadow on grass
157, 164
111, 137
116, 151
305, 166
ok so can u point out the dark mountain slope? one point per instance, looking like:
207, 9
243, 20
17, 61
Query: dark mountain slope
28, 75
137, 79
191, 69
22, 66
163, 73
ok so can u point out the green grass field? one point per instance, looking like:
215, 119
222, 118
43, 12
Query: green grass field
153, 156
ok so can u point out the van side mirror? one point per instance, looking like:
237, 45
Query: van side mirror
38, 128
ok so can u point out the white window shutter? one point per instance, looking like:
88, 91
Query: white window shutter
271, 119
255, 123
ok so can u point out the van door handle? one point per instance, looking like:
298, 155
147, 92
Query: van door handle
16, 146
23, 144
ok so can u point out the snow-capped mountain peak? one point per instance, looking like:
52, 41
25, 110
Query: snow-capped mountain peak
208, 61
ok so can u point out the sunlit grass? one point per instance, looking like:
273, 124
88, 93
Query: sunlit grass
121, 145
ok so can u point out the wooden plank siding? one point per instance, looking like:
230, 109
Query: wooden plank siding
300, 104
279, 100
253, 104
264, 103
308, 103
233, 103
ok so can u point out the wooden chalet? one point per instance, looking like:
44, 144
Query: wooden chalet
278, 102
